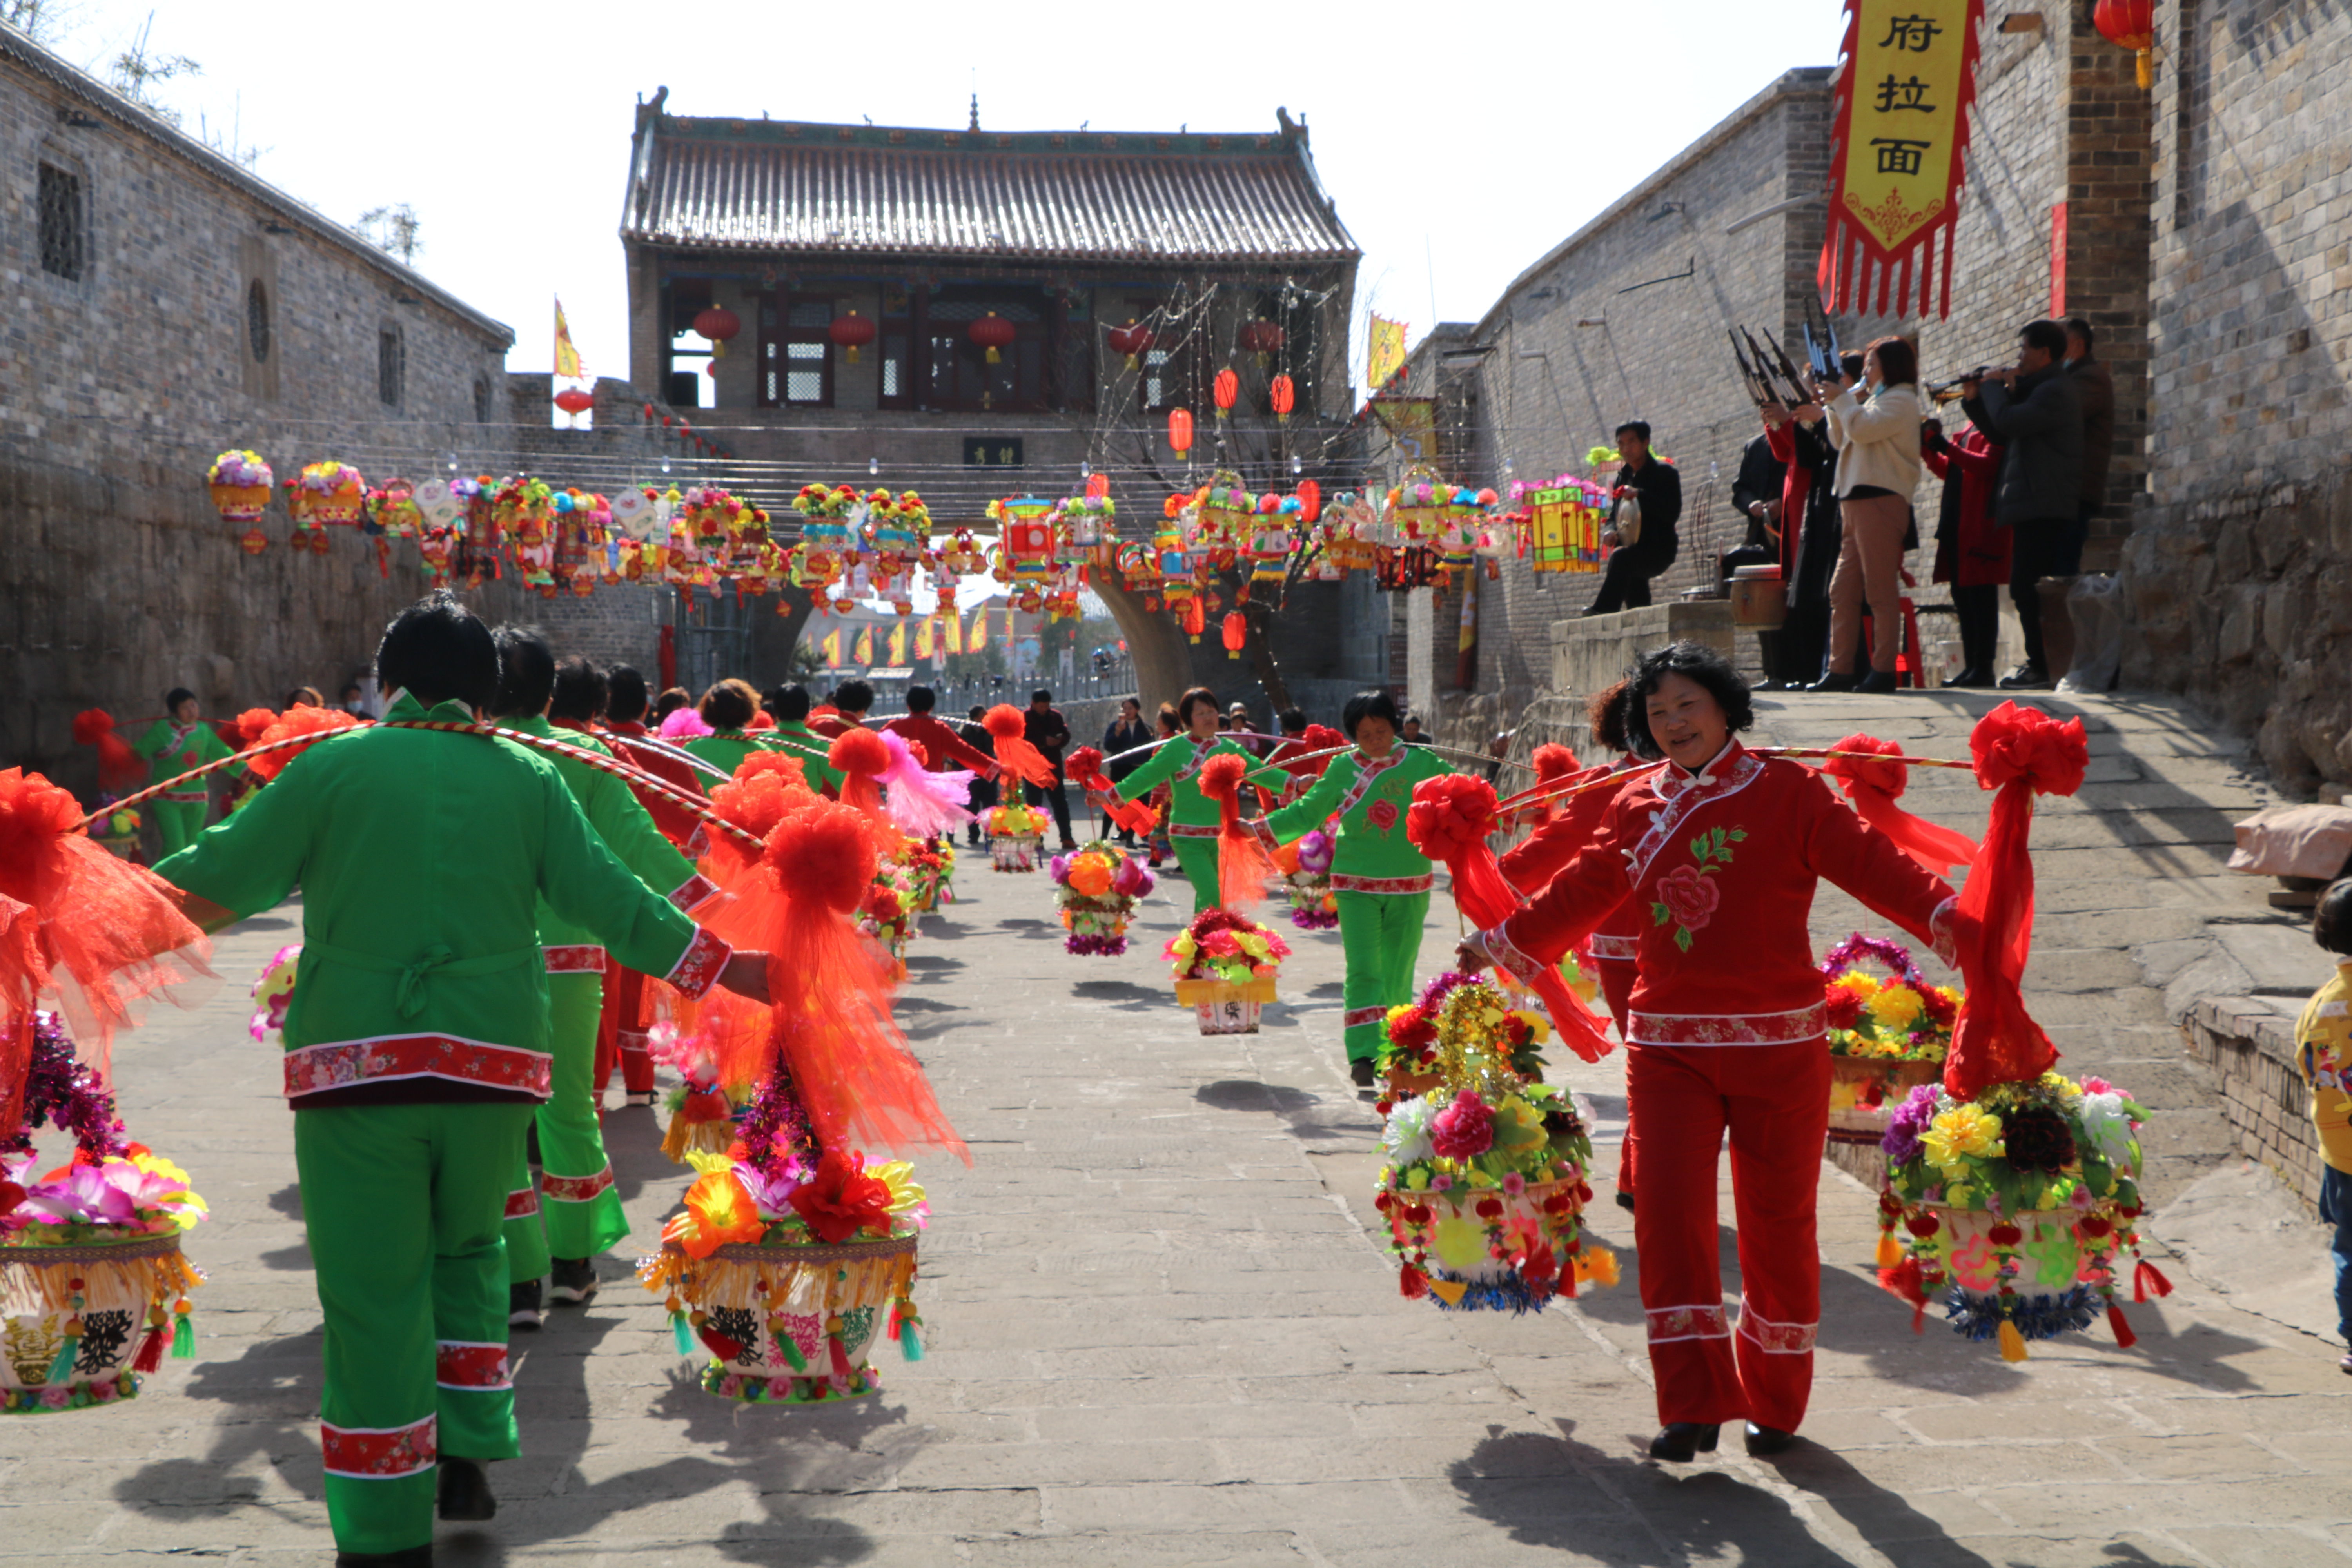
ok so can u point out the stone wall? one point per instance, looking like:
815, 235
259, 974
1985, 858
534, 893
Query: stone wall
2249, 1042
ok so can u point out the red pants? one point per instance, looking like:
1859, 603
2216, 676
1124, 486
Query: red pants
1617, 988
1774, 1100
620, 1033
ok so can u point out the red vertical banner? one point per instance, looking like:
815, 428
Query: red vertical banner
2058, 262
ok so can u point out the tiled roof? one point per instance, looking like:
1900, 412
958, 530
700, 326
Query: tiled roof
1060, 196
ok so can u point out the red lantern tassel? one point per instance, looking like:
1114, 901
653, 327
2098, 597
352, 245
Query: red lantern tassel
2125, 1338
1906, 1280
151, 1352
2146, 1277
1412, 1283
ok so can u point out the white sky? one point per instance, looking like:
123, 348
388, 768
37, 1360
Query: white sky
1460, 139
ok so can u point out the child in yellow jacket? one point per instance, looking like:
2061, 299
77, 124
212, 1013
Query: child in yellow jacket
2322, 1050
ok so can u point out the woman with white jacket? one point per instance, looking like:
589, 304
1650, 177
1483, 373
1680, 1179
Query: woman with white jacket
1877, 468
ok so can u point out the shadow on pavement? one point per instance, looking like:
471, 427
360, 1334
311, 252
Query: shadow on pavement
1124, 995
931, 963
1294, 1106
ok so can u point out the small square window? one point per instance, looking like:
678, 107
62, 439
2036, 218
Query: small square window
64, 239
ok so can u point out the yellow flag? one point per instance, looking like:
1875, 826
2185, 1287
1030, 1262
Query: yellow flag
954, 628
567, 357
864, 653
898, 644
832, 646
927, 639
979, 639
1386, 357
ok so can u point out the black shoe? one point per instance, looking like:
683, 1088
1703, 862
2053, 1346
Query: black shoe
1361, 1072
1877, 683
1680, 1441
1832, 681
522, 1305
1765, 1441
2026, 678
1624, 1200
466, 1490
638, 1097
414, 1557
574, 1280
1975, 676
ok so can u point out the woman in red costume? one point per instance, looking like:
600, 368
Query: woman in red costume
1719, 852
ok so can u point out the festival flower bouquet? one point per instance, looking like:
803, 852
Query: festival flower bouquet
327, 492
240, 483
89, 1252
928, 865
1412, 1057
2022, 1202
786, 1257
1886, 1036
1015, 831
1313, 906
118, 830
1484, 1184
1096, 889
1225, 966
887, 916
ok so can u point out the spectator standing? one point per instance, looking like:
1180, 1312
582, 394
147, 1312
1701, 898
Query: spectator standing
1125, 733
353, 700
2035, 415
1412, 735
1971, 549
2095, 388
1809, 538
1878, 470
1044, 727
305, 697
1756, 493
1625, 580
2323, 1051
983, 797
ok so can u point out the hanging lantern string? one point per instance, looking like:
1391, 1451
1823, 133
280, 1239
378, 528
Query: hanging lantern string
684, 799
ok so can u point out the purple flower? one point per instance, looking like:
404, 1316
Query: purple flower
1912, 1118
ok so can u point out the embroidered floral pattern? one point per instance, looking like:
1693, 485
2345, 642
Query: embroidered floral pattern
580, 958
1776, 1339
699, 964
1793, 1027
575, 1189
1369, 774
1668, 1325
1680, 794
375, 1453
690, 894
1385, 884
1382, 813
1191, 830
1355, 1017
522, 1201
343, 1064
1684, 896
1624, 949
458, 1363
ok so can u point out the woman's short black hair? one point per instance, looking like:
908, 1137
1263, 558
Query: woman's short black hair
789, 704
1898, 362
526, 672
730, 705
851, 697
1372, 702
671, 700
625, 694
1692, 661
437, 650
1192, 700
2331, 918
922, 700
581, 689
1606, 714
1293, 720
177, 695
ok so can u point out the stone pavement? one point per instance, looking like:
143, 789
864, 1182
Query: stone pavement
1160, 1330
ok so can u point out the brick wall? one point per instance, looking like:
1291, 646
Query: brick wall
2249, 1042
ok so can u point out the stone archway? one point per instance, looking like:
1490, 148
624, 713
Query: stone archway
1163, 659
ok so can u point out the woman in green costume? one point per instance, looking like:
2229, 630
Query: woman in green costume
1192, 815
173, 745
1379, 880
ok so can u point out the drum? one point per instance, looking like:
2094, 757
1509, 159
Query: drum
1757, 602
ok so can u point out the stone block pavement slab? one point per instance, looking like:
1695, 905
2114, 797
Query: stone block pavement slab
1161, 1330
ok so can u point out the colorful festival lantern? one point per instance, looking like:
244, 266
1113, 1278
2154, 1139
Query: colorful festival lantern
575, 401
1485, 1179
1014, 832
240, 483
329, 493
1025, 537
1130, 340
1234, 630
850, 332
1224, 966
2131, 24
1095, 889
993, 333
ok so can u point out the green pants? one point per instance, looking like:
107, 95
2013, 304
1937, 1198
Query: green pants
404, 1205
1199, 858
575, 1191
177, 823
1380, 934
527, 1256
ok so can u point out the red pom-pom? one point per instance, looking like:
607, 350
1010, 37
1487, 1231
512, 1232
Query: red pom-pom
89, 724
2014, 742
1004, 721
825, 852
1085, 762
118, 764
1221, 776
860, 752
766, 787
760, 720
1014, 753
1882, 767
1449, 814
317, 723
1553, 762
252, 724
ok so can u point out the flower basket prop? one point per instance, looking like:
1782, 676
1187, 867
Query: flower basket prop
92, 1281
327, 492
117, 833
1014, 832
1313, 905
1485, 1185
887, 916
1412, 1057
1224, 966
240, 482
929, 868
791, 1262
1095, 889
1886, 1038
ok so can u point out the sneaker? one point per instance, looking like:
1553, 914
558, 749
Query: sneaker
1361, 1071
522, 1306
635, 1097
574, 1280
465, 1491
2026, 678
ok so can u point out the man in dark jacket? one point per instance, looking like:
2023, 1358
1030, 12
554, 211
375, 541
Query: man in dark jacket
2094, 386
1755, 494
1626, 582
2033, 413
1043, 726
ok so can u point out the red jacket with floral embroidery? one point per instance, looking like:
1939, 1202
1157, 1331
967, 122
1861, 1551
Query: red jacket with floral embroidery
1531, 864
1719, 866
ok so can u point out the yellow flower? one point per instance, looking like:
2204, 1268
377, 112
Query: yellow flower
1863, 987
1895, 1007
899, 1177
1960, 1133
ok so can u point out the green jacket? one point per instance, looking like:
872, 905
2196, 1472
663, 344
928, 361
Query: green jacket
1371, 844
812, 749
623, 825
182, 749
1177, 764
721, 747
421, 858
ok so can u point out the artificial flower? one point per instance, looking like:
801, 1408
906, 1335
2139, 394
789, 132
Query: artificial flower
2106, 1124
1895, 1008
1406, 1136
1464, 1130
841, 1199
1964, 1132
718, 1213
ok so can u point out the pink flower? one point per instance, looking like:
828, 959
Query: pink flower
2097, 1086
1514, 1183
1690, 896
104, 1393
779, 1388
1463, 1130
57, 1398
1382, 813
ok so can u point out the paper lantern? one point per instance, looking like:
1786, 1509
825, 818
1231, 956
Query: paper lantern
1261, 338
1224, 389
2129, 25
1310, 500
1180, 429
993, 333
1236, 632
1283, 396
850, 334
255, 542
1097, 486
1130, 340
719, 324
574, 401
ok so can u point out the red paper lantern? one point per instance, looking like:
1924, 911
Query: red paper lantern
1283, 396
2129, 25
851, 333
1224, 389
253, 542
1310, 500
991, 332
1179, 430
572, 400
1097, 486
719, 324
1132, 341
1236, 632
1261, 338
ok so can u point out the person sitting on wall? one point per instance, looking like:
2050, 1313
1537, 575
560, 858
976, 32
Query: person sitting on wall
1633, 561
